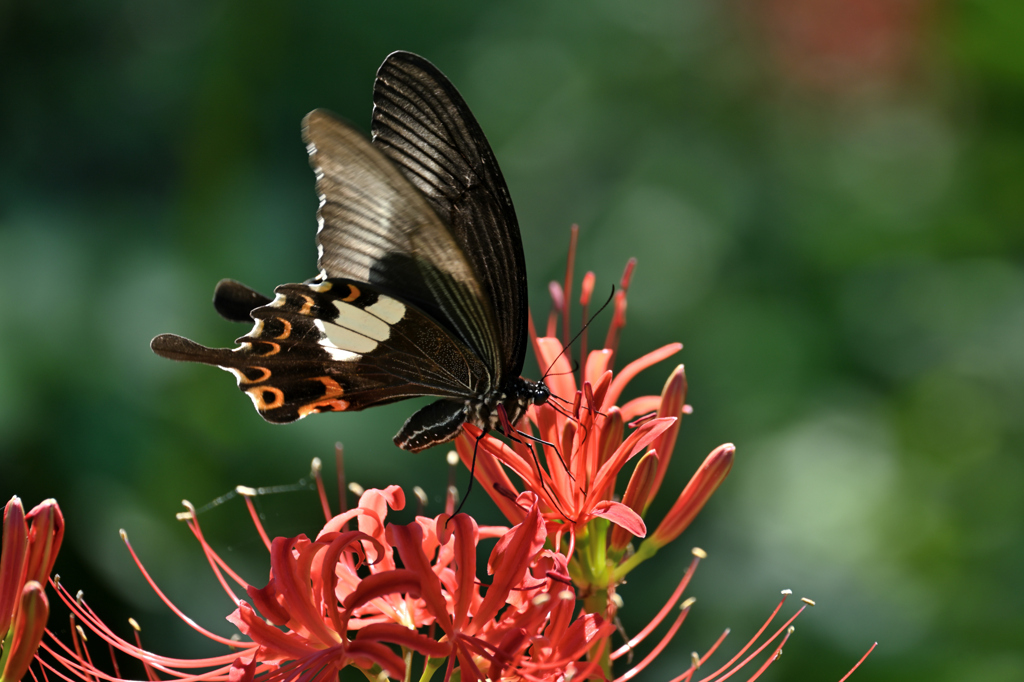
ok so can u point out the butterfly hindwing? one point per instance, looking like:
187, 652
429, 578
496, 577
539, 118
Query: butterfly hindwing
336, 346
235, 301
421, 122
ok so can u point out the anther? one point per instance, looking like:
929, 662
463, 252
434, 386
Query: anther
452, 458
316, 466
135, 625
699, 553
355, 489
809, 602
567, 595
695, 660
421, 495
687, 603
787, 592
246, 491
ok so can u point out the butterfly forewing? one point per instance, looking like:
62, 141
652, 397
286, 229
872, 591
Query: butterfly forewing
338, 346
422, 123
375, 227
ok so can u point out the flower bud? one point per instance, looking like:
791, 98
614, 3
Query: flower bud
637, 492
707, 479
13, 554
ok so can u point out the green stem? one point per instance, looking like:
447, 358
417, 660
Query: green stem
597, 603
5, 649
430, 666
646, 550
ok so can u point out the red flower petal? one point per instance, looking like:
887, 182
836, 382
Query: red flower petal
46, 533
29, 626
709, 476
637, 366
13, 554
509, 561
621, 515
405, 638
280, 645
637, 493
466, 536
408, 540
636, 442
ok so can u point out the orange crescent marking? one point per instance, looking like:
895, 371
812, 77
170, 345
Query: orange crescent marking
287, 329
307, 306
247, 380
274, 351
323, 406
353, 293
332, 388
261, 404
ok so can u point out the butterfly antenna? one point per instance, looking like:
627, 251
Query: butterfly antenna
575, 367
586, 324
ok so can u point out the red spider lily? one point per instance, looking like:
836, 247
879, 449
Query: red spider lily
372, 597
572, 449
30, 546
522, 626
383, 596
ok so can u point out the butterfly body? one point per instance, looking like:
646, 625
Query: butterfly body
422, 283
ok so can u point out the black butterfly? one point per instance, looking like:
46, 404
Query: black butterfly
422, 284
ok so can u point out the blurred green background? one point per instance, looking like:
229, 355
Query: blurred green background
826, 199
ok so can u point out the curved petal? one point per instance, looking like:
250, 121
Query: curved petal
637, 366
621, 515
558, 374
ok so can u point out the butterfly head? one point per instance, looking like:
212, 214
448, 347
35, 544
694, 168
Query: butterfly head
536, 391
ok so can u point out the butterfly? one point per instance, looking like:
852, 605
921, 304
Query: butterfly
422, 282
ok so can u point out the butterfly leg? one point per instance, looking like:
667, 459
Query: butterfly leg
472, 475
438, 422
509, 430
